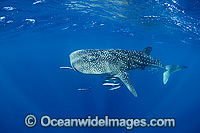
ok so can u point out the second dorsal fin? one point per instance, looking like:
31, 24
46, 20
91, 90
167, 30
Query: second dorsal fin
147, 50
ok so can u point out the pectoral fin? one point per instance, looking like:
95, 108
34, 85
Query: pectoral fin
124, 77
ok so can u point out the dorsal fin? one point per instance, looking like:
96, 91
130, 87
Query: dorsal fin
147, 50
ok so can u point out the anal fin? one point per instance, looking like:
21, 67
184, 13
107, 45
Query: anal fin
124, 77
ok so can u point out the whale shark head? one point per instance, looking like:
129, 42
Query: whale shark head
97, 61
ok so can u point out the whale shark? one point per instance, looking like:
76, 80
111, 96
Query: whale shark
114, 63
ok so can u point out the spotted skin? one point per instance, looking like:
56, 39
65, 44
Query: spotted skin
110, 61
115, 63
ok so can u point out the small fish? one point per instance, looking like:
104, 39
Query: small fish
114, 80
114, 88
81, 89
153, 69
66, 68
111, 84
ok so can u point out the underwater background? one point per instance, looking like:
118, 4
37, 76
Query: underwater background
36, 38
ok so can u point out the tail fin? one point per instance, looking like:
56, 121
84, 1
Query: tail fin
169, 70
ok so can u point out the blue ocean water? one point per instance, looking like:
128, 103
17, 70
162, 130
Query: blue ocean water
36, 38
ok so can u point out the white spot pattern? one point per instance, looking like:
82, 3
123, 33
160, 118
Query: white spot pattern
110, 61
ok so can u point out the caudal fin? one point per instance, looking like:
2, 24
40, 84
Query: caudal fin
169, 70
